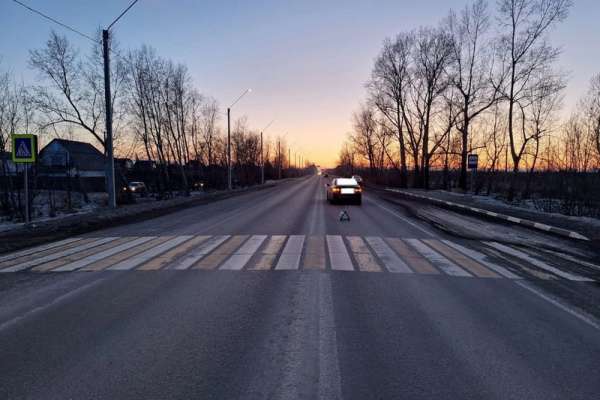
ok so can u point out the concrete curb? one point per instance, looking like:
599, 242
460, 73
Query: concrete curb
490, 214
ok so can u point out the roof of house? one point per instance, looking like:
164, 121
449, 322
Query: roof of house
83, 155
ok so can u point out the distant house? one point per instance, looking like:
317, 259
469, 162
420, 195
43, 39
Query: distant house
7, 167
124, 164
144, 166
80, 159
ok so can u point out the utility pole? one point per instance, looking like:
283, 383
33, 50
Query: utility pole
229, 148
279, 155
108, 141
229, 186
262, 161
289, 158
262, 153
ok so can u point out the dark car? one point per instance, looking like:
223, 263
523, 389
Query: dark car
138, 188
344, 190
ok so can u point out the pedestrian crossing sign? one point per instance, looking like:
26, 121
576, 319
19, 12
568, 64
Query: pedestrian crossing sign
24, 148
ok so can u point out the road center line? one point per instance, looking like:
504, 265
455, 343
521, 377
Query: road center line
330, 383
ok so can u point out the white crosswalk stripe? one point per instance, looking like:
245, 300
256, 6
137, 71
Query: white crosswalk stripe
241, 257
540, 264
200, 252
483, 259
290, 256
338, 254
437, 259
56, 256
38, 249
295, 252
147, 255
102, 255
389, 258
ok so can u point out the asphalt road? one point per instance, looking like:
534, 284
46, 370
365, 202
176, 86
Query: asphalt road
381, 307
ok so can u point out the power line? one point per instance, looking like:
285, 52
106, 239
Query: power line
117, 53
49, 18
123, 13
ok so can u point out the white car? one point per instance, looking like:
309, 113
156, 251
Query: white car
344, 189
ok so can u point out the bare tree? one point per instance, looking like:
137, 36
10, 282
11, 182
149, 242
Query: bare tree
471, 71
388, 89
15, 117
147, 109
74, 94
494, 129
591, 107
524, 51
432, 55
176, 98
364, 139
209, 128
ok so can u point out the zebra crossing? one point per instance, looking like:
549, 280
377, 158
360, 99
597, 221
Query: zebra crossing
371, 254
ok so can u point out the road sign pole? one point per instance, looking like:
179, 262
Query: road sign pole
229, 148
108, 142
26, 178
472, 161
24, 151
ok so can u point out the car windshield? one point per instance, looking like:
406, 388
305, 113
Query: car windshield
346, 182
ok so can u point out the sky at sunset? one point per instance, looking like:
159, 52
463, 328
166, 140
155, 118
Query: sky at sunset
306, 61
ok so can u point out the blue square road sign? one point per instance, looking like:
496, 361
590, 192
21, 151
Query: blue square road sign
24, 148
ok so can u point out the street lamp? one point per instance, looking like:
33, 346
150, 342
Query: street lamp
229, 137
262, 154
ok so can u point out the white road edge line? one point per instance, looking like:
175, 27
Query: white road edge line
580, 316
15, 320
395, 214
